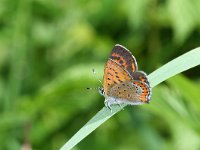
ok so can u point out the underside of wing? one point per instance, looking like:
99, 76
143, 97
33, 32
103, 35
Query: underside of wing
141, 76
123, 56
145, 90
114, 74
133, 93
125, 90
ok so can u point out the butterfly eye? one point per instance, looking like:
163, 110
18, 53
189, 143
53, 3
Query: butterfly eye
101, 91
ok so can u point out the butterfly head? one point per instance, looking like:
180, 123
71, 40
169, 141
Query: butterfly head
101, 91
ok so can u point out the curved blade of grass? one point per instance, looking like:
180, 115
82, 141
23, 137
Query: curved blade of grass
178, 65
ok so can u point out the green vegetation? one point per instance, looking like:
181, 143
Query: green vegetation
48, 50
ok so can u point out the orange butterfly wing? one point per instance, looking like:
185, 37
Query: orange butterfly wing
124, 57
113, 74
145, 94
141, 76
135, 92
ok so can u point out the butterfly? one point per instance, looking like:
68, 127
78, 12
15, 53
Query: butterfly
122, 82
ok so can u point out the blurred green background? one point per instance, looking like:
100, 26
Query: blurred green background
48, 50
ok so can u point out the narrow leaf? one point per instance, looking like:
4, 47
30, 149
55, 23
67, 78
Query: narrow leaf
178, 65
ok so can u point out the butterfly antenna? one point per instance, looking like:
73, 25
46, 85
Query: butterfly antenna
88, 88
95, 75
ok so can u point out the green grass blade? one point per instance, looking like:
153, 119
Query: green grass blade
178, 65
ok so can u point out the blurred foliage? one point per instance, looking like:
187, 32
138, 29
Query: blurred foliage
48, 50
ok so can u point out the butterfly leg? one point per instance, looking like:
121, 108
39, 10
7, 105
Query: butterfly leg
107, 104
119, 105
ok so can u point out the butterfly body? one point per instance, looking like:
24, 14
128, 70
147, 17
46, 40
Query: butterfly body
123, 83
